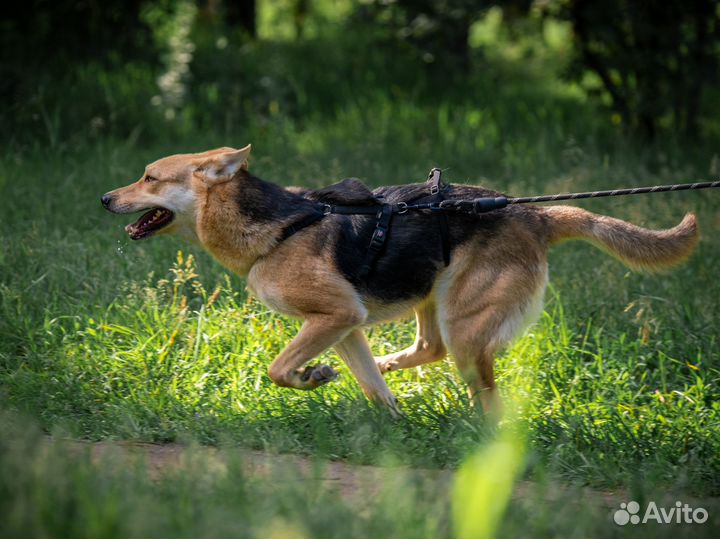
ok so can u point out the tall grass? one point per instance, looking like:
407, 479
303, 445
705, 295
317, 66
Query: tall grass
52, 488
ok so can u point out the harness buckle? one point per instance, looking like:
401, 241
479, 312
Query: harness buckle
381, 228
327, 209
435, 181
378, 238
402, 208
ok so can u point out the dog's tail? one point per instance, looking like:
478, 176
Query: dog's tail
637, 247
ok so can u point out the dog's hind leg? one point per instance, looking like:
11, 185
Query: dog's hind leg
428, 345
477, 369
355, 351
317, 334
481, 313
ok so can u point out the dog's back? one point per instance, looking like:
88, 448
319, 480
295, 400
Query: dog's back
412, 255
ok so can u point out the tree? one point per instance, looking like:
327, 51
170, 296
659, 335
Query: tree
437, 29
79, 29
654, 59
242, 13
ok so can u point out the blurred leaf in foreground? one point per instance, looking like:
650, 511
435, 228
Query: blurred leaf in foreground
483, 486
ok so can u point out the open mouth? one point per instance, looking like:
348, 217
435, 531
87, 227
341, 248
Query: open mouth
149, 223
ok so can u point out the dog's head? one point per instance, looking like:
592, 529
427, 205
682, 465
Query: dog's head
168, 191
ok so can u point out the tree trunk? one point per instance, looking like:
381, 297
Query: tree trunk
242, 13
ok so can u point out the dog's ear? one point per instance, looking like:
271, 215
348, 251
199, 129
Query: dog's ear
224, 163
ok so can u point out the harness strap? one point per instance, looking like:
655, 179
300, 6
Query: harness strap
326, 209
436, 187
384, 216
297, 226
351, 210
444, 228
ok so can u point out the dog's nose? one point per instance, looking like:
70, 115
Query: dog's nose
106, 200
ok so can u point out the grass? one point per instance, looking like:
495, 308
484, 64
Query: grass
104, 339
54, 489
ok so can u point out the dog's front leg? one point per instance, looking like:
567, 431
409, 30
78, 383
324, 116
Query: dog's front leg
355, 351
318, 333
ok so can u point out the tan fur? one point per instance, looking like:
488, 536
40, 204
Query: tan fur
635, 246
235, 241
486, 298
428, 345
491, 289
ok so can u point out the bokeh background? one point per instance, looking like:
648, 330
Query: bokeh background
153, 70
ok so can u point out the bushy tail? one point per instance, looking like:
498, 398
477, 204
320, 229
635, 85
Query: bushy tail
637, 247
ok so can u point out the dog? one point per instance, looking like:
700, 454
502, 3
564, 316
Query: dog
491, 289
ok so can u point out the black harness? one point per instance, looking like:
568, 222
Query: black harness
384, 213
436, 189
440, 206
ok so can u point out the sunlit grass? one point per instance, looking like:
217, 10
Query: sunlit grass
170, 359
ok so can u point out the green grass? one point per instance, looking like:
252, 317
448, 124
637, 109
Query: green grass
621, 370
106, 339
52, 488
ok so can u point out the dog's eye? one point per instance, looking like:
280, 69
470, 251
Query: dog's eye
149, 178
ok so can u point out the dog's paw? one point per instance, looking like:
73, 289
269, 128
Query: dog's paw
318, 375
387, 366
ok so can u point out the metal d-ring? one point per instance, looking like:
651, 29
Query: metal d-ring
403, 207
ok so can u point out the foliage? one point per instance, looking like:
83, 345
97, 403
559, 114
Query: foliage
135, 67
654, 61
438, 30
486, 480
625, 376
50, 487
72, 31
41, 41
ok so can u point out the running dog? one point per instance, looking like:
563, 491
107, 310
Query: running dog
492, 287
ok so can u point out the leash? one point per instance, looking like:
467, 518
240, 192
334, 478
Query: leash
384, 212
485, 204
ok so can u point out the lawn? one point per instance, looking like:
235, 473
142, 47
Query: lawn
615, 388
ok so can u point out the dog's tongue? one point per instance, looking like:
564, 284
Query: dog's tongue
149, 222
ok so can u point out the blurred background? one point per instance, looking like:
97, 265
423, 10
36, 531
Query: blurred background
563, 71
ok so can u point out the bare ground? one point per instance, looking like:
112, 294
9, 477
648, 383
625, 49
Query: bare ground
351, 481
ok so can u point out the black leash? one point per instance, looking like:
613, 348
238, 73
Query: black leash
615, 192
384, 212
486, 204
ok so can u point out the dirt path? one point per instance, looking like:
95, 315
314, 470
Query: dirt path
350, 480
356, 484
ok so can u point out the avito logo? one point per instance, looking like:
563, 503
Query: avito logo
629, 513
